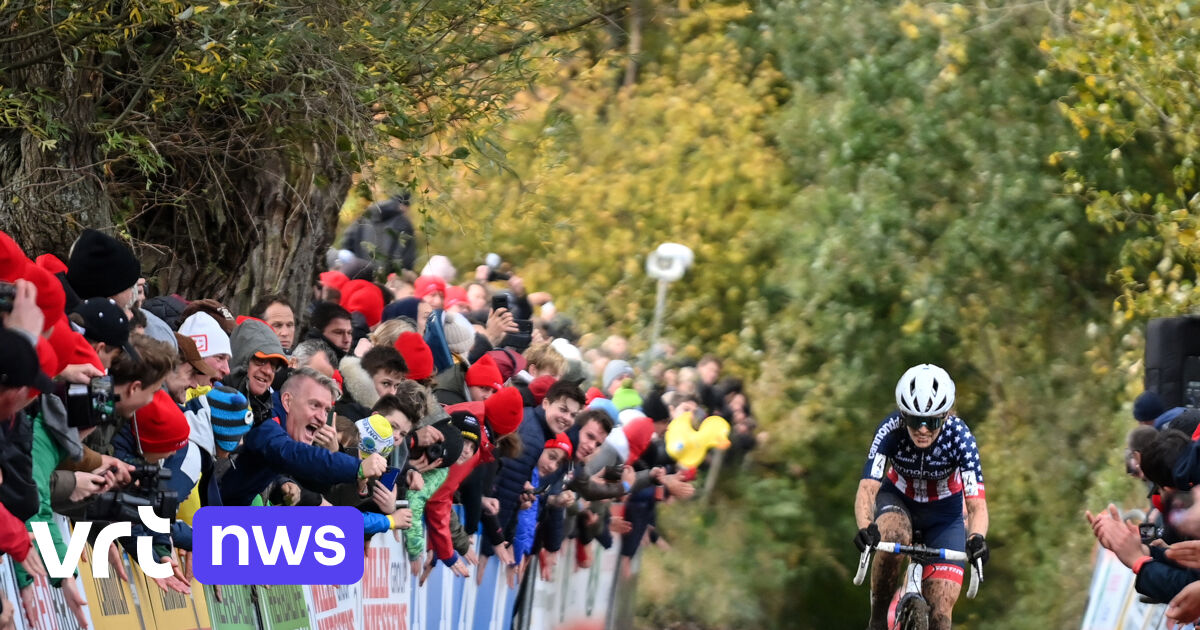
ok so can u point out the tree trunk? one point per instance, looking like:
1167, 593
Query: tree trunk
46, 199
269, 235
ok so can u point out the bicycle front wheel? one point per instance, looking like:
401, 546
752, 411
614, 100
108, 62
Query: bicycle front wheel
912, 613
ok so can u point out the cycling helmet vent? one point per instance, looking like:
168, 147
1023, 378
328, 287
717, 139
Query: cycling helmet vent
925, 390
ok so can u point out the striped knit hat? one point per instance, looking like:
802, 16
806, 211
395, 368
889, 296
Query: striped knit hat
231, 415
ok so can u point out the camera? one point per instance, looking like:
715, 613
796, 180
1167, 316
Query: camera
1149, 532
8, 295
149, 488
432, 452
494, 262
92, 404
612, 474
521, 339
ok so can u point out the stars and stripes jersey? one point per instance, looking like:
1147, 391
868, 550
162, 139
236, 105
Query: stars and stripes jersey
950, 465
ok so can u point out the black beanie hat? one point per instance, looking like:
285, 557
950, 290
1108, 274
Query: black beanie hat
101, 266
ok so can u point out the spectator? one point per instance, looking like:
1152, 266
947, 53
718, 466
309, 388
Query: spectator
366, 380
501, 416
329, 289
384, 235
478, 296
277, 312
431, 290
269, 449
539, 425
191, 370
105, 326
257, 356
331, 323
315, 354
102, 266
211, 341
709, 369
615, 374
401, 283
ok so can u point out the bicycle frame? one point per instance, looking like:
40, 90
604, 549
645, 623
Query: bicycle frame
920, 554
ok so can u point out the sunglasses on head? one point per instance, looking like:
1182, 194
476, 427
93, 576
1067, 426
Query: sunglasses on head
916, 422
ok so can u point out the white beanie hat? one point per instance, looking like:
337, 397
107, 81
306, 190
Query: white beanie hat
441, 267
460, 334
210, 339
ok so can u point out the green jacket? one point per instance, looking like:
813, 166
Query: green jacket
46, 455
414, 538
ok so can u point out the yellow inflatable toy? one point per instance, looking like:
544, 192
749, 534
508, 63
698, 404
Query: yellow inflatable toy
688, 446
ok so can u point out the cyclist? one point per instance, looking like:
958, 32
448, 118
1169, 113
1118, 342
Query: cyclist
934, 465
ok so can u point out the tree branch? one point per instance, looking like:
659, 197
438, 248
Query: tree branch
519, 43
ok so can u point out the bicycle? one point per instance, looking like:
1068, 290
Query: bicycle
909, 610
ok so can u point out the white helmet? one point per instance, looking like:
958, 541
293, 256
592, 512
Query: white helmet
925, 390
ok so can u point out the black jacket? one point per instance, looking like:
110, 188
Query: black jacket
19, 492
384, 235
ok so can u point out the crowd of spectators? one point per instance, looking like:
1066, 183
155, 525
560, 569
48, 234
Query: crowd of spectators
401, 394
1163, 548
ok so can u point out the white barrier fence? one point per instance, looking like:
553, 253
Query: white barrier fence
1113, 604
387, 597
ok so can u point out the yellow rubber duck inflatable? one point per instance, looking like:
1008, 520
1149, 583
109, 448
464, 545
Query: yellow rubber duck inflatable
688, 446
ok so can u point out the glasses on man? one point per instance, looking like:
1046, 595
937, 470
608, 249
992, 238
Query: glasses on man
915, 422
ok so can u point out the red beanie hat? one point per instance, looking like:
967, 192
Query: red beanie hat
161, 426
51, 263
12, 258
484, 373
334, 279
361, 296
561, 441
638, 433
540, 386
428, 284
71, 348
504, 410
455, 296
592, 394
417, 355
51, 298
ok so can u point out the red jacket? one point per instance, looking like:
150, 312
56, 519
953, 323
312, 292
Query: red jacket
14, 539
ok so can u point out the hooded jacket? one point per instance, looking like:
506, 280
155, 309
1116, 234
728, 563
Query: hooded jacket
249, 338
384, 234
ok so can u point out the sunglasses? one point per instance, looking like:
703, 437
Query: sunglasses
916, 422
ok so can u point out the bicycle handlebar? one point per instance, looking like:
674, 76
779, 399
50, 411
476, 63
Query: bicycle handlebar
921, 551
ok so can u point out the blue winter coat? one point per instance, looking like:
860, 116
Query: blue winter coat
268, 451
515, 473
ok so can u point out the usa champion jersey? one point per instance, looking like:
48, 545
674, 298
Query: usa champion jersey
950, 465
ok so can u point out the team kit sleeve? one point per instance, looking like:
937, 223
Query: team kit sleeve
883, 446
968, 462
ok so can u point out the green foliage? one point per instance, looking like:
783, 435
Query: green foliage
1134, 107
180, 96
595, 177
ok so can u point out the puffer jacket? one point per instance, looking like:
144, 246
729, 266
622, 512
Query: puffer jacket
515, 473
